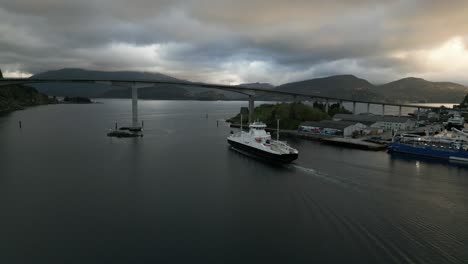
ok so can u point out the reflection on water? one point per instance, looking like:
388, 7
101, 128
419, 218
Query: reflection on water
69, 194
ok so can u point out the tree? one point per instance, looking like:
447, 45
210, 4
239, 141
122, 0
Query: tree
465, 102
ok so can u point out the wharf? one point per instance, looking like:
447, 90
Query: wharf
359, 143
356, 143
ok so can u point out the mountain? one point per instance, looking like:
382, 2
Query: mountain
343, 86
420, 90
266, 86
159, 91
99, 90
80, 74
407, 90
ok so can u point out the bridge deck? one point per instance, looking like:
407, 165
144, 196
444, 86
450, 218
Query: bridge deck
238, 89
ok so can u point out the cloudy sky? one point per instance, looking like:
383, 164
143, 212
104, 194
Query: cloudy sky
232, 42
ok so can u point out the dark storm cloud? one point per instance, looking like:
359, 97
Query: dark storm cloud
234, 41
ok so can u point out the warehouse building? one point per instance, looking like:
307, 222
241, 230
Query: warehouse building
387, 123
333, 128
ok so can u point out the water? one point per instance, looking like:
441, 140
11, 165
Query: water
69, 194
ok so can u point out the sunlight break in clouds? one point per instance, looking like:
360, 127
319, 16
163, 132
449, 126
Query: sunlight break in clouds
16, 74
450, 57
232, 42
448, 61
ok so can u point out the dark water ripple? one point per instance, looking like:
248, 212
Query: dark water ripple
69, 194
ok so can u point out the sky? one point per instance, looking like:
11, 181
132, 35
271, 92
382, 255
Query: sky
232, 42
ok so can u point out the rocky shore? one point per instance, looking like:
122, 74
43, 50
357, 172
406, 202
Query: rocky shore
17, 97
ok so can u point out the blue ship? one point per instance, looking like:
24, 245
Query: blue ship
443, 148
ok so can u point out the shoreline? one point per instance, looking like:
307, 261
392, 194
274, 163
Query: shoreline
357, 143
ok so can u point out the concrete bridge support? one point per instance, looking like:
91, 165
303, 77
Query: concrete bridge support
368, 108
134, 106
383, 110
354, 108
326, 106
251, 108
419, 109
399, 111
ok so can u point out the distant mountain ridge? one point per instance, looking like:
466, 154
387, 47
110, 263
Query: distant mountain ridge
419, 90
81, 74
102, 90
258, 85
405, 90
159, 91
342, 86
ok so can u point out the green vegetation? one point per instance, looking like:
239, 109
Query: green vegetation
16, 97
464, 103
77, 100
332, 109
290, 115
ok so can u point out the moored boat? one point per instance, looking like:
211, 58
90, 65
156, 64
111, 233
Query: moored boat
438, 147
455, 121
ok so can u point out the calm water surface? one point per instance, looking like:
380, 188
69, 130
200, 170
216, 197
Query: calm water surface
69, 194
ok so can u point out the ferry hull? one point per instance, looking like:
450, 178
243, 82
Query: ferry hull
458, 155
283, 158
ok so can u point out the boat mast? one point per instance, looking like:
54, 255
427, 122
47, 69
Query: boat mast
277, 129
241, 123
242, 134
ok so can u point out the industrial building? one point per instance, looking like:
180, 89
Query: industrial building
387, 123
333, 128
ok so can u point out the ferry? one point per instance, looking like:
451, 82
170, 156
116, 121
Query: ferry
259, 143
438, 147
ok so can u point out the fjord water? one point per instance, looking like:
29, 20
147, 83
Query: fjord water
69, 194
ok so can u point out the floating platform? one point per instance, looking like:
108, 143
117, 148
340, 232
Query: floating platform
126, 132
356, 143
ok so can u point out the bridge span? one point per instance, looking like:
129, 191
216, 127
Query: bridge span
248, 91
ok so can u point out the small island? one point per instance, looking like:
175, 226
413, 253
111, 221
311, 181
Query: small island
290, 114
77, 100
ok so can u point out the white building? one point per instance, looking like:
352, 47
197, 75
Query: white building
334, 128
387, 123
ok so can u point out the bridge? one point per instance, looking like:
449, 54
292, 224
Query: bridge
249, 91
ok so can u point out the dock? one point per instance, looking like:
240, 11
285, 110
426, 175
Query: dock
356, 143
359, 143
